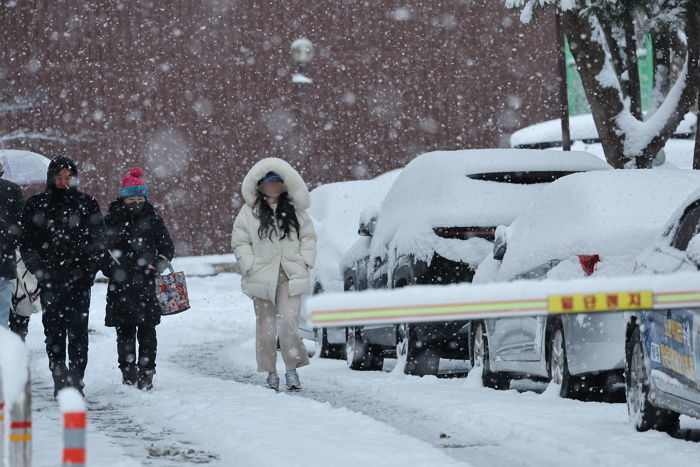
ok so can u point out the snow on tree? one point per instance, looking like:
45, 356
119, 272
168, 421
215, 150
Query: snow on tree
17, 105
603, 36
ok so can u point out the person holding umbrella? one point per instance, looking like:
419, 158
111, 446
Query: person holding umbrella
26, 169
11, 201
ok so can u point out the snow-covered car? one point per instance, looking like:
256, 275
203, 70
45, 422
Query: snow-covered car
334, 210
587, 224
435, 226
678, 151
662, 376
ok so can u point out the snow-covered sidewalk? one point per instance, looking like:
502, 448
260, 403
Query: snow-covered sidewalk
209, 406
194, 418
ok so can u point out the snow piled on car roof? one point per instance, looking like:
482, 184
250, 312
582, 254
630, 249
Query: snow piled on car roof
335, 209
606, 213
582, 127
434, 190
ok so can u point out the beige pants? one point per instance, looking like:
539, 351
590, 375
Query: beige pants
282, 320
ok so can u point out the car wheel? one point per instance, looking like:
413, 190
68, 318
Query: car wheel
324, 349
642, 413
480, 357
558, 365
360, 355
422, 358
349, 285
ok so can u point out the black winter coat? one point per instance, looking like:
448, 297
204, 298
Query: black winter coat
135, 242
11, 201
62, 232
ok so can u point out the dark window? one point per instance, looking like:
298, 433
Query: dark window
687, 227
521, 178
465, 233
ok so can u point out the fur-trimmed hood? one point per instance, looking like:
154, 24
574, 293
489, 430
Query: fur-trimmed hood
295, 184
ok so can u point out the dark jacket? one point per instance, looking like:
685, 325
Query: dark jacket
11, 201
62, 232
135, 241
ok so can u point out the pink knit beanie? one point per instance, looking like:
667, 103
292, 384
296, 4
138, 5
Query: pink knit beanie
132, 185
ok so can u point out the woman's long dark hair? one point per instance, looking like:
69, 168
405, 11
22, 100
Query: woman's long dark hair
284, 218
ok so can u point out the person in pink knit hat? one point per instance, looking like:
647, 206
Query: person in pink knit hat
138, 248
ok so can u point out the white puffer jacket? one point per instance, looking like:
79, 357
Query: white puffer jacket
259, 259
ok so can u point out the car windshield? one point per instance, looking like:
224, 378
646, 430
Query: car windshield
687, 228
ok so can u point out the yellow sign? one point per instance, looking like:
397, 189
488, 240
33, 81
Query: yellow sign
677, 362
612, 301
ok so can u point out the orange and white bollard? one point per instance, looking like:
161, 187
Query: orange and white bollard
16, 413
21, 429
74, 413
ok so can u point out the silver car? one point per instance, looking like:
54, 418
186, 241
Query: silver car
588, 224
663, 346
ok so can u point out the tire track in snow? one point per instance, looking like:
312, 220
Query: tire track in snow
481, 426
138, 441
204, 359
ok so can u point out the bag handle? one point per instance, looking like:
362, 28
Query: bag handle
113, 254
170, 265
16, 298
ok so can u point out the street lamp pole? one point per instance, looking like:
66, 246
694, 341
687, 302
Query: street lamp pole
302, 51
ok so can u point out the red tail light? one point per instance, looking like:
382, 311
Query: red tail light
588, 263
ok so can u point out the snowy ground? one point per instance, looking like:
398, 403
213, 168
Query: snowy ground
210, 407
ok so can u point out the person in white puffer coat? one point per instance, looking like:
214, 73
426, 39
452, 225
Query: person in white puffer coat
275, 246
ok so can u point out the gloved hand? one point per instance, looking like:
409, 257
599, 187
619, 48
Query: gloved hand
162, 264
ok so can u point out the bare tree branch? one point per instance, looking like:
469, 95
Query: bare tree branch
696, 152
690, 80
630, 51
661, 44
6, 108
614, 97
46, 136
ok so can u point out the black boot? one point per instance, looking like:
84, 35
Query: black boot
76, 382
145, 382
59, 382
130, 376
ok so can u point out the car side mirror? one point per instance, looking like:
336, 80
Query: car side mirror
499, 243
367, 229
363, 230
371, 226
